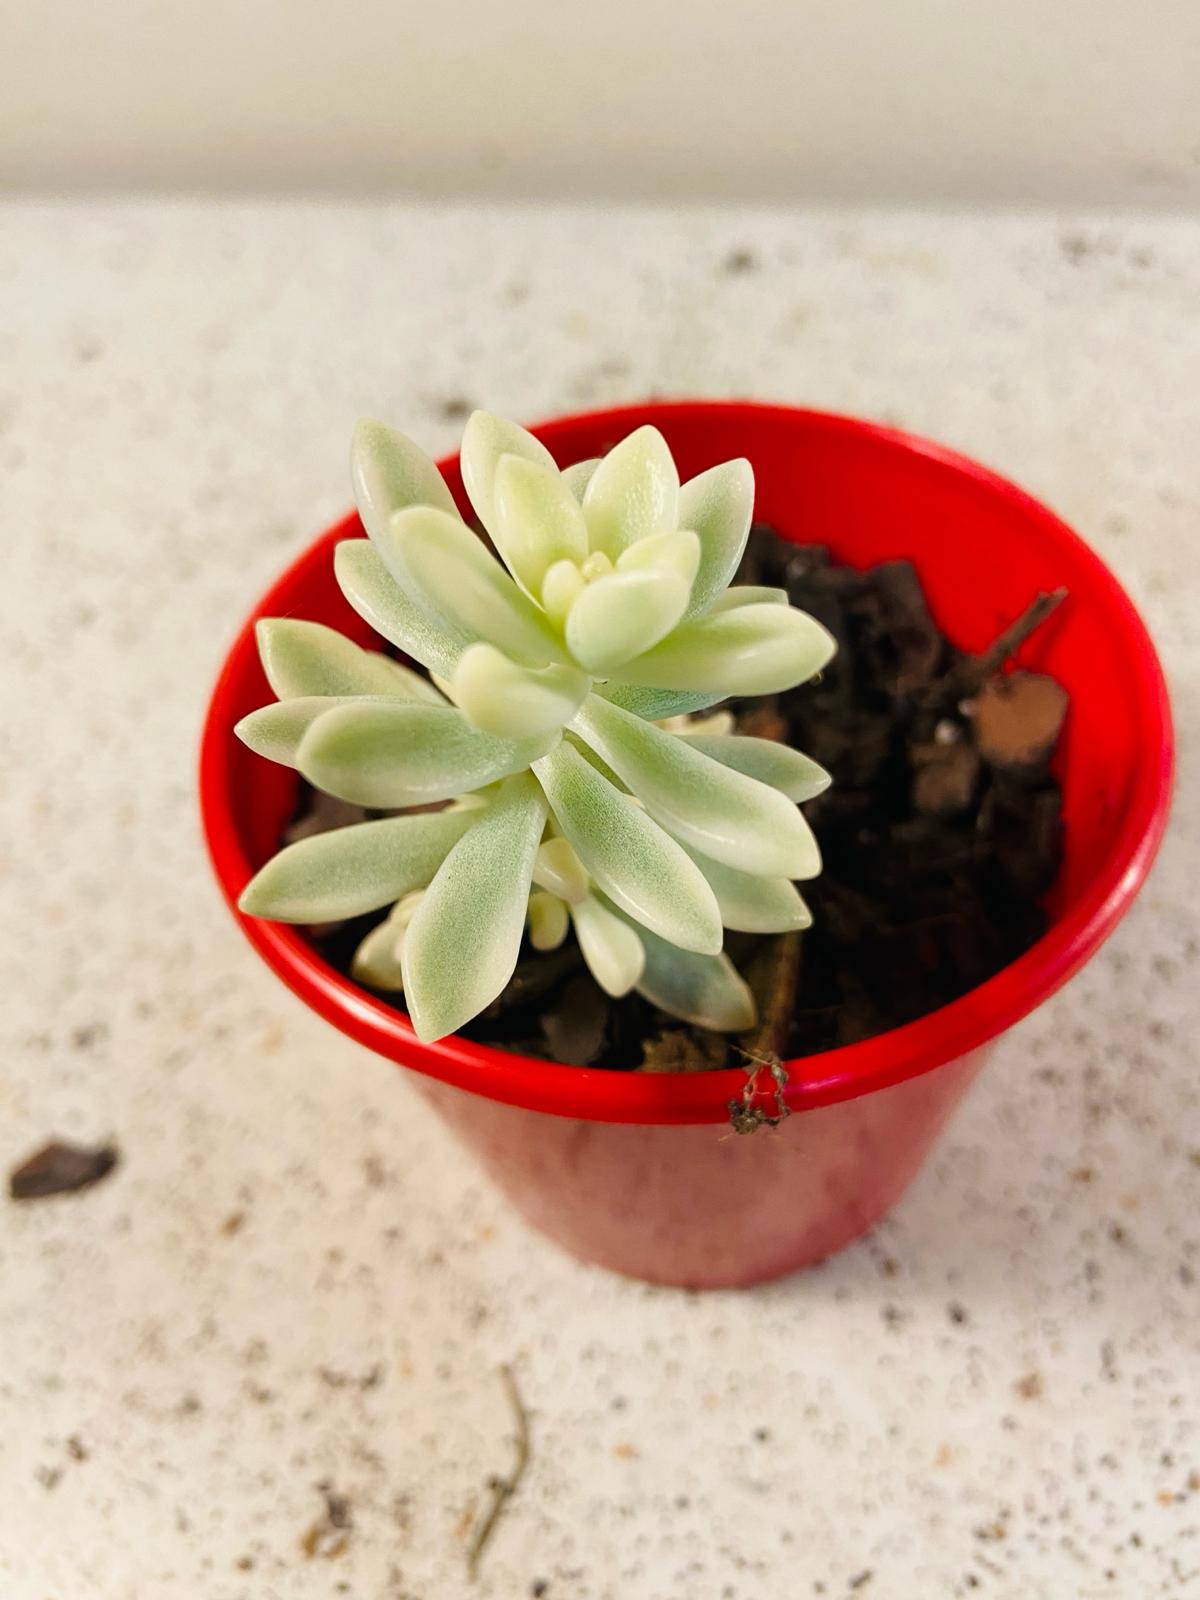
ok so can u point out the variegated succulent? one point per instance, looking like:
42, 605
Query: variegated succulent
551, 765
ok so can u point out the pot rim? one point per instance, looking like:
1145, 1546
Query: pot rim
888, 1058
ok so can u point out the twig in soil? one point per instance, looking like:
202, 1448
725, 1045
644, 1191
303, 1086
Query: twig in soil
502, 1490
779, 1001
973, 673
744, 1115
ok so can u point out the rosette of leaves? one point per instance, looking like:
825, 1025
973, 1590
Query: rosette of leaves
533, 785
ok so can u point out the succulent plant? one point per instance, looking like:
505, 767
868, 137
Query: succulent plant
550, 772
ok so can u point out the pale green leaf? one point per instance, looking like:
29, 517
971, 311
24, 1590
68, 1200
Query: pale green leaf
276, 731
633, 493
349, 871
517, 702
711, 807
485, 439
718, 505
536, 522
755, 649
389, 472
560, 870
458, 579
462, 944
749, 594
677, 551
722, 721
623, 614
656, 704
597, 565
378, 598
753, 905
611, 947
561, 587
548, 919
376, 962
704, 989
307, 658
597, 761
392, 753
578, 476
636, 863
793, 774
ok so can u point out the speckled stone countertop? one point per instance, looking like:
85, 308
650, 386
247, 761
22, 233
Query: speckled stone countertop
294, 1279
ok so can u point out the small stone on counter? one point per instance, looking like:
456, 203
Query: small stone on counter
61, 1168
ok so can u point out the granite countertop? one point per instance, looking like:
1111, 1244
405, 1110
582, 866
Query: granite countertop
294, 1286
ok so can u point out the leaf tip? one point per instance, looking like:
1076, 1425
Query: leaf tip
253, 902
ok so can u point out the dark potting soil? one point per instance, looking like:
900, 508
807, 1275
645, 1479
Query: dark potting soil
940, 834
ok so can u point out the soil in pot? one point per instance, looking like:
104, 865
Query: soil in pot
940, 835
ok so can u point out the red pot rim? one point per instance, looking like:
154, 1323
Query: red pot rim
822, 1079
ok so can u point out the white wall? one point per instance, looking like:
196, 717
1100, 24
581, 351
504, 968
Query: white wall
1011, 100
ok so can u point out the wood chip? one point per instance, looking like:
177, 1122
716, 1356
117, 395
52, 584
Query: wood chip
1017, 719
945, 777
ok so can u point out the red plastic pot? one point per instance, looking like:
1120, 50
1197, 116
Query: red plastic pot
641, 1173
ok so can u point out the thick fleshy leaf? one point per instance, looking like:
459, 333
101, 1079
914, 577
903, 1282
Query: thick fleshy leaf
633, 493
704, 989
793, 774
462, 945
307, 658
578, 476
392, 753
632, 859
622, 615
352, 870
677, 551
753, 905
376, 962
597, 565
456, 576
485, 439
656, 704
389, 472
378, 598
722, 721
756, 649
517, 702
561, 587
277, 731
560, 870
597, 761
708, 806
548, 920
749, 594
611, 947
718, 505
536, 522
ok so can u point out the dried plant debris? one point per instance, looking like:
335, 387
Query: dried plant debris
502, 1489
940, 833
329, 1535
761, 1105
61, 1168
